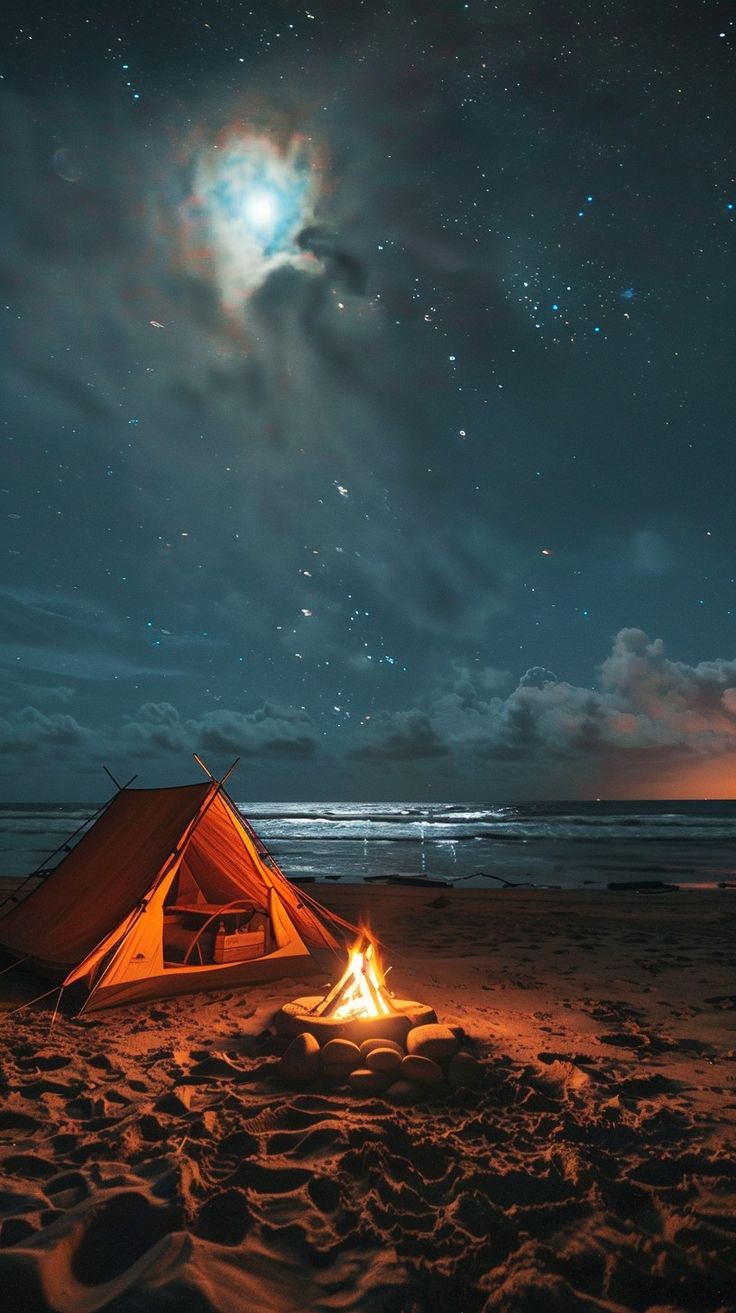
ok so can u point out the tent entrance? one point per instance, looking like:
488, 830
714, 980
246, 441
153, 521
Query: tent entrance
198, 933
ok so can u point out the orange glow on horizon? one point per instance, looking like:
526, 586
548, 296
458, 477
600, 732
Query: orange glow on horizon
713, 777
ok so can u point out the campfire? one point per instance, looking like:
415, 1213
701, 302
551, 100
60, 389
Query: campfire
357, 1006
360, 990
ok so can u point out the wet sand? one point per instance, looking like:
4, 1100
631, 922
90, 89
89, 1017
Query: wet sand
152, 1159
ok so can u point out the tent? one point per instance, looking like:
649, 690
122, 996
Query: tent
169, 891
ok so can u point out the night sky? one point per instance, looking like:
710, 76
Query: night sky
368, 398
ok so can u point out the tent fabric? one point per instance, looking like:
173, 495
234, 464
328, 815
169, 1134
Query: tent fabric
222, 861
99, 916
109, 871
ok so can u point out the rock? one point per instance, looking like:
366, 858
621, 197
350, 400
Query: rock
379, 1043
464, 1072
422, 1070
365, 1081
339, 1056
300, 1062
435, 1042
456, 1028
384, 1059
406, 1092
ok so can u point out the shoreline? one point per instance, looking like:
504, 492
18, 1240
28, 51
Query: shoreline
567, 865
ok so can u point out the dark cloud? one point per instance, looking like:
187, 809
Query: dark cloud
157, 733
645, 707
278, 731
158, 729
346, 269
30, 732
404, 736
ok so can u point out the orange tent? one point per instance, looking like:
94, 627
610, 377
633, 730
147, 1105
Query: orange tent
168, 892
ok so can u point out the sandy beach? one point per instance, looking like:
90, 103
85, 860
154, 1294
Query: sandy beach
153, 1159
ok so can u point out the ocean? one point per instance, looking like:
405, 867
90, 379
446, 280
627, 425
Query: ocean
543, 845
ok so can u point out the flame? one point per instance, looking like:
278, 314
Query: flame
359, 991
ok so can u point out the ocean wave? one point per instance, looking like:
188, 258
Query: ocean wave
351, 840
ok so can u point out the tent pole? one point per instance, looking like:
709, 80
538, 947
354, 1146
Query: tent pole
229, 771
208, 772
119, 787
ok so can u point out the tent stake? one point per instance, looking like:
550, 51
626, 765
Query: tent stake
56, 1009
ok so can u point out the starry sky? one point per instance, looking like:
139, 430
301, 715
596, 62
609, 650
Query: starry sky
368, 397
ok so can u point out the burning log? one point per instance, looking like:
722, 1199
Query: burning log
360, 990
358, 1006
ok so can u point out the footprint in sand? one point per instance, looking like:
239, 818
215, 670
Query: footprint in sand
13, 1202
324, 1191
35, 1088
255, 1176
46, 1061
67, 1189
100, 1061
117, 1233
15, 1231
29, 1166
230, 1153
225, 1218
16, 1126
625, 1040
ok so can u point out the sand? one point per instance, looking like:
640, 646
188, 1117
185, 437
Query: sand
153, 1160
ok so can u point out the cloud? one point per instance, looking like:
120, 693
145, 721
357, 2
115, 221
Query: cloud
347, 269
644, 707
278, 731
537, 677
157, 732
158, 729
249, 200
30, 731
403, 736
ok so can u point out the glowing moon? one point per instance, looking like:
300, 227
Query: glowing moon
250, 201
261, 209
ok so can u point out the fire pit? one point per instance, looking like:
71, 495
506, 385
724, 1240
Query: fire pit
358, 1007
